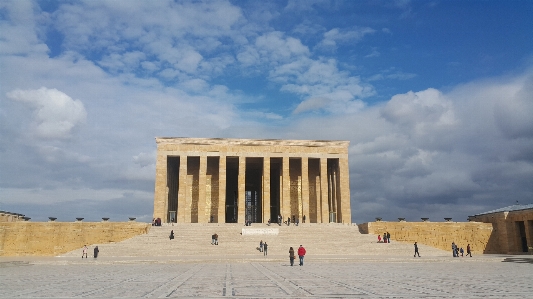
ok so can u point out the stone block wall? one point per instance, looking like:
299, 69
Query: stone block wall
10, 217
53, 238
438, 234
507, 233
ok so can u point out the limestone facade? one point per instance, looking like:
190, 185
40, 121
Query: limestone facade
203, 180
52, 238
513, 228
438, 234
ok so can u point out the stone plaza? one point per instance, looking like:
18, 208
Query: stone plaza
486, 276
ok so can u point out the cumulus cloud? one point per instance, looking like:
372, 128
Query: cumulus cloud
55, 113
336, 36
18, 26
418, 110
513, 113
321, 82
272, 48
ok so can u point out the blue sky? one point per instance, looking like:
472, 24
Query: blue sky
435, 97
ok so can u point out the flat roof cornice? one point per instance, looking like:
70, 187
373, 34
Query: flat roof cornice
252, 142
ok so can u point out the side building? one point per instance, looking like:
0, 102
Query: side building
512, 228
215, 180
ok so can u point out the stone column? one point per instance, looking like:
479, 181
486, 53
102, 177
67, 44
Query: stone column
324, 190
344, 192
286, 191
161, 193
222, 190
305, 188
265, 200
202, 185
242, 185
184, 208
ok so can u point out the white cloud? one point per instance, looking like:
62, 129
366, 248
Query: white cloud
419, 110
273, 48
321, 82
56, 114
337, 36
18, 29
374, 53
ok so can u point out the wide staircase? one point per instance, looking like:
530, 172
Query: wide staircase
193, 241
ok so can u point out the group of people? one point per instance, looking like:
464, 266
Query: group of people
85, 250
456, 250
157, 222
295, 220
386, 238
214, 239
301, 254
263, 247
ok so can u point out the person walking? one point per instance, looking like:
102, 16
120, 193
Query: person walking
216, 239
303, 219
288, 221
84, 251
468, 250
379, 238
388, 237
416, 250
453, 250
95, 252
171, 237
291, 256
301, 254
261, 246
265, 249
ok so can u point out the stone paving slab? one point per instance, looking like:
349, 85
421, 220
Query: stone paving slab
481, 277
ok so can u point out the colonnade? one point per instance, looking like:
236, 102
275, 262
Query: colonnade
205, 186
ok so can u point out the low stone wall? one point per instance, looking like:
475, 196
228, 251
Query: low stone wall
438, 234
53, 238
11, 217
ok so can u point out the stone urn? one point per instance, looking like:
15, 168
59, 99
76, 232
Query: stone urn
52, 219
378, 219
132, 218
105, 219
424, 219
79, 219
448, 219
401, 219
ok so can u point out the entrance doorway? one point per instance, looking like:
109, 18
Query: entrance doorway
522, 235
232, 187
253, 188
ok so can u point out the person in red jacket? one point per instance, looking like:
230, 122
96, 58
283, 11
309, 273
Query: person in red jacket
301, 254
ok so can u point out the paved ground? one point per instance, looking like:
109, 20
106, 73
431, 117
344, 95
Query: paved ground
494, 276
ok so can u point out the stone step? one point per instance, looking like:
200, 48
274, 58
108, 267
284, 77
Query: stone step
195, 240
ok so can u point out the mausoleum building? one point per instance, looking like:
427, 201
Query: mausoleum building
202, 180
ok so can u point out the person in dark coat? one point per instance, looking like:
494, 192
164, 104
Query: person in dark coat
468, 251
171, 237
265, 249
291, 256
416, 250
96, 251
